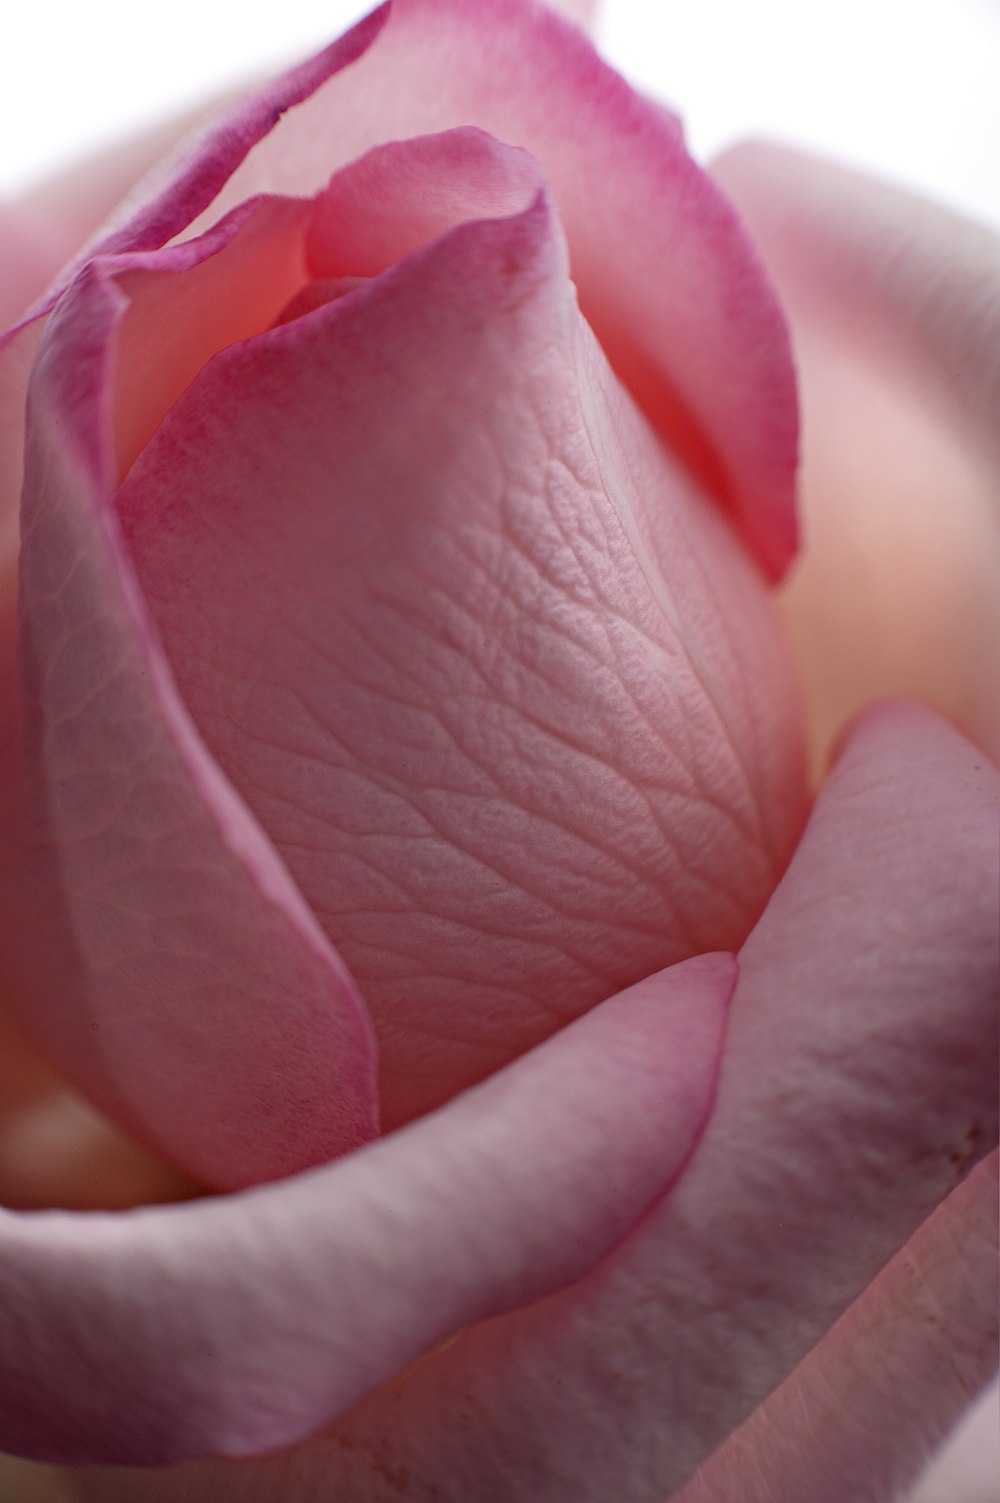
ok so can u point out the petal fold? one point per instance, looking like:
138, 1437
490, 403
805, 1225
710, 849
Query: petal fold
238, 1325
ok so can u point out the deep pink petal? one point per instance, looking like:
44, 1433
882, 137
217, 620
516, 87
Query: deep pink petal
490, 671
858, 1086
859, 1417
240, 1324
155, 944
895, 308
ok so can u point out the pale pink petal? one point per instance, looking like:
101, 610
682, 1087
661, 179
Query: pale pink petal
859, 1417
493, 675
154, 943
895, 307
858, 1086
240, 1324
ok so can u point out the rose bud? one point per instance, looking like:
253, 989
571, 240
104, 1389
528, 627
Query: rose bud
403, 740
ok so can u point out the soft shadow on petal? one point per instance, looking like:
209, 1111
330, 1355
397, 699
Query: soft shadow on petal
895, 311
57, 1151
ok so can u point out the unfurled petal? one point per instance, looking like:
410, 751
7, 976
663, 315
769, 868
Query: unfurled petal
240, 1324
490, 671
895, 308
858, 1086
859, 1417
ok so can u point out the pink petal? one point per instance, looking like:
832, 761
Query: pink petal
666, 276
895, 307
156, 945
240, 1324
858, 1086
472, 647
858, 1417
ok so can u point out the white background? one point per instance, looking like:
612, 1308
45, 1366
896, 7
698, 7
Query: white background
910, 88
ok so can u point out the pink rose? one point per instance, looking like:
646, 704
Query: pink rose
404, 744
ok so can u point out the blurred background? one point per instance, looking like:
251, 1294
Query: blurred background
909, 88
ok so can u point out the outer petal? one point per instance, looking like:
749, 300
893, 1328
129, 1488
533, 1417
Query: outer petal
239, 1325
155, 942
493, 676
858, 1085
859, 1416
895, 306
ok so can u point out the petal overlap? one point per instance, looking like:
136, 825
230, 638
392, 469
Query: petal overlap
240, 1324
492, 701
858, 1088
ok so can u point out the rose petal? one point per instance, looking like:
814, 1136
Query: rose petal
667, 278
496, 714
155, 944
858, 1418
895, 307
858, 1085
240, 1324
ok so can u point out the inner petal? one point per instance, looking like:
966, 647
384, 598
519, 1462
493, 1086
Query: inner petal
491, 672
